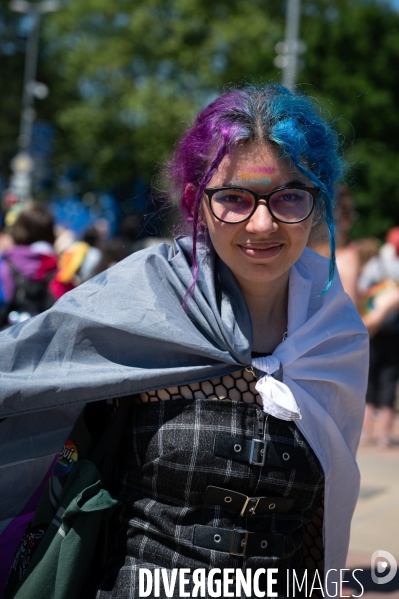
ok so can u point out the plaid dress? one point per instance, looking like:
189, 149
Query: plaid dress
186, 484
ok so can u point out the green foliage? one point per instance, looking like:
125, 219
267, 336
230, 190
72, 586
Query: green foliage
143, 69
127, 76
351, 67
11, 68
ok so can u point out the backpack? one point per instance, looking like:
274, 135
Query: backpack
66, 546
30, 297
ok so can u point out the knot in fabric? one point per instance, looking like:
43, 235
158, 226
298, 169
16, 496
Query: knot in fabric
277, 398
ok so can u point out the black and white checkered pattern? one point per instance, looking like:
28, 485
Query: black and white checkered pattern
167, 461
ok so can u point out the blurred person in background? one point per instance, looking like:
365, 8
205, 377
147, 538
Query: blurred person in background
64, 237
28, 271
6, 241
81, 259
380, 308
347, 255
367, 247
130, 230
113, 251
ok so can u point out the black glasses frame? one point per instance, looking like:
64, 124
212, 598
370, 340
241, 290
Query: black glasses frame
210, 192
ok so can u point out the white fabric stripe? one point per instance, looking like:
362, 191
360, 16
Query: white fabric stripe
61, 531
276, 397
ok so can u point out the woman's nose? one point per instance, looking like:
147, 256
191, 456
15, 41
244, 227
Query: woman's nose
261, 221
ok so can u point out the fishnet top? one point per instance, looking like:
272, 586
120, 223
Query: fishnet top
240, 386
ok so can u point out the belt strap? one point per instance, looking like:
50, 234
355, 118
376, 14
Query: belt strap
247, 506
238, 542
259, 452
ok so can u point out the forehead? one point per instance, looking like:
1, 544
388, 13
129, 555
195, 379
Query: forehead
254, 161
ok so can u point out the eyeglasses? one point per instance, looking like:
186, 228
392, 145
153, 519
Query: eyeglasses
287, 204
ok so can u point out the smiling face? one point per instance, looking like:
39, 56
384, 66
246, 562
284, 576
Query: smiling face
261, 250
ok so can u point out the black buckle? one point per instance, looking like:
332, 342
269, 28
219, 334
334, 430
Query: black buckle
243, 542
262, 452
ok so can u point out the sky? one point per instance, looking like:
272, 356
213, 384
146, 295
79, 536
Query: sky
395, 4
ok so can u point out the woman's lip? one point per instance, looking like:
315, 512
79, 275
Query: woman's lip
254, 251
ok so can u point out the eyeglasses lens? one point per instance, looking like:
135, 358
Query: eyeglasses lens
235, 205
232, 205
291, 205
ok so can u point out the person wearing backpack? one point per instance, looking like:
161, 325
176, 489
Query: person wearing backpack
28, 284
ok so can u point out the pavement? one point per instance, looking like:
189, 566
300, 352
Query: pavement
375, 525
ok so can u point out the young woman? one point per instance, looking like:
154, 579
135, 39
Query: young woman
246, 360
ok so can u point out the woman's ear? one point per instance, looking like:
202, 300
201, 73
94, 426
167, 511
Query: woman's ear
188, 197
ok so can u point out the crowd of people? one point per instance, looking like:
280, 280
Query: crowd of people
40, 261
369, 273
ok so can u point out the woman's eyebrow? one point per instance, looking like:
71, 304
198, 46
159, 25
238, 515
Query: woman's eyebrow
294, 182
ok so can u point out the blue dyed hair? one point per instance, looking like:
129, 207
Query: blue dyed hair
269, 114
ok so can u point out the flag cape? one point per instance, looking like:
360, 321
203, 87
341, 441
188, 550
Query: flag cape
125, 331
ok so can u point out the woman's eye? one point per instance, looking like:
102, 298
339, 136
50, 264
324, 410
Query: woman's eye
233, 199
291, 197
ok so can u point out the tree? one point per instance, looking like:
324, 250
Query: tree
126, 77
144, 68
12, 50
351, 67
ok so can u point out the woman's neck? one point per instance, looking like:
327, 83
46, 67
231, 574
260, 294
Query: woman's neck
268, 306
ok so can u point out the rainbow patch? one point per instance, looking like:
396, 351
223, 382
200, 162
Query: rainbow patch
66, 459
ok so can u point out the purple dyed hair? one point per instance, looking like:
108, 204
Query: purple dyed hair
269, 114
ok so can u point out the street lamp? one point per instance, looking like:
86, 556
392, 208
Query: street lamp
289, 50
22, 164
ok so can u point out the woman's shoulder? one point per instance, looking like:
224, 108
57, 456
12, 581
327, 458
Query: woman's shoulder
331, 301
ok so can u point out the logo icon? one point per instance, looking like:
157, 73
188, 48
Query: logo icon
382, 565
67, 458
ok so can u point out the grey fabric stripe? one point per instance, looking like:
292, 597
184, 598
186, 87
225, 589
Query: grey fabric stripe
57, 520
